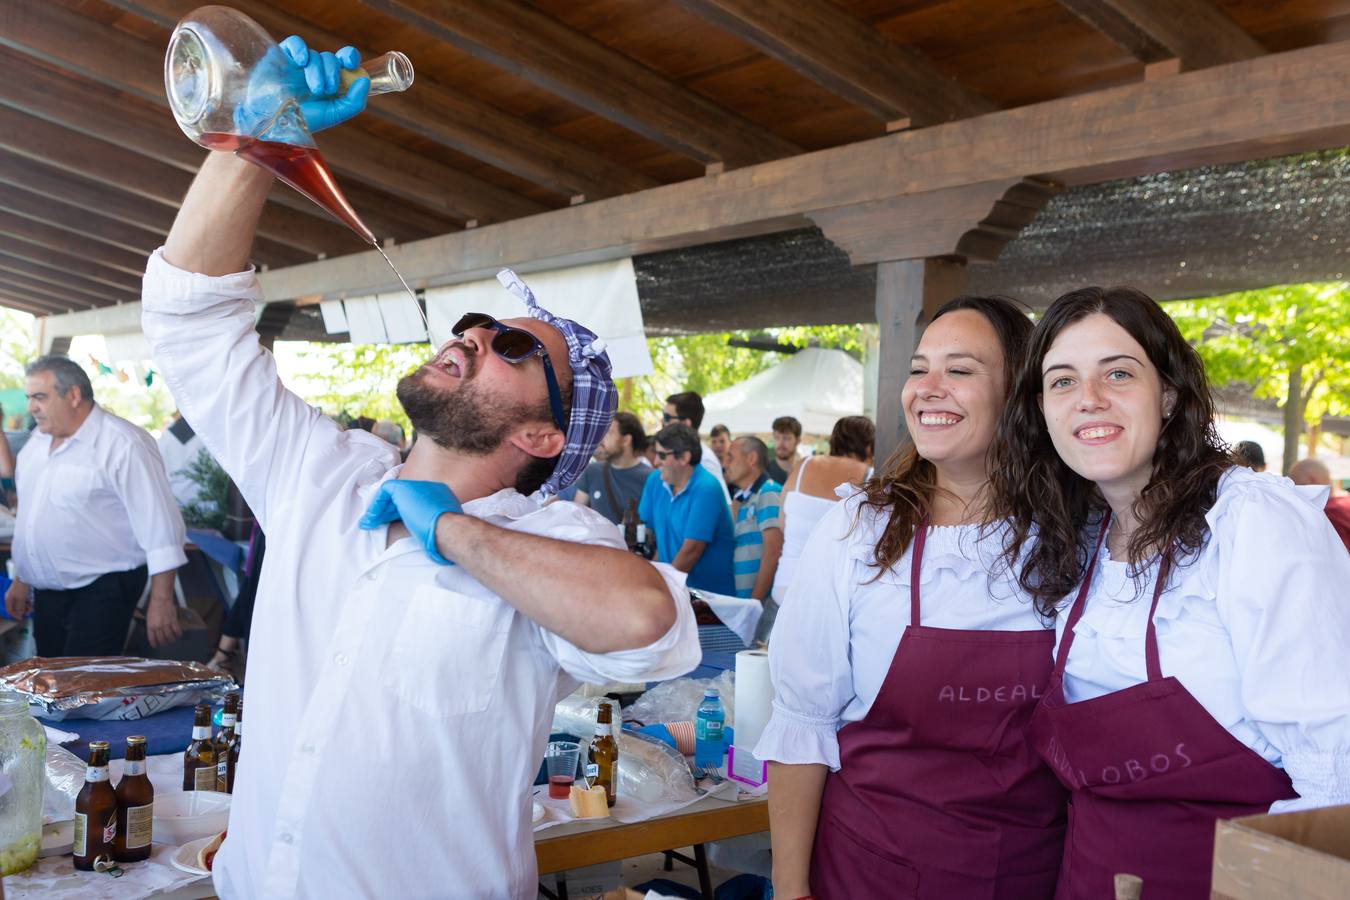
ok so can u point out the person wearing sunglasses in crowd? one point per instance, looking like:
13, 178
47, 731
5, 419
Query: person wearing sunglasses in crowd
414, 626
1200, 607
906, 662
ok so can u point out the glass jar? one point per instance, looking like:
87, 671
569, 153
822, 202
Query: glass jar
23, 765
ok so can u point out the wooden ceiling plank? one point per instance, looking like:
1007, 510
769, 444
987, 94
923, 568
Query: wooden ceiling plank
444, 115
535, 46
61, 261
24, 229
847, 56
80, 154
127, 210
52, 212
16, 271
1197, 32
78, 43
32, 307
66, 281
59, 300
1285, 103
132, 126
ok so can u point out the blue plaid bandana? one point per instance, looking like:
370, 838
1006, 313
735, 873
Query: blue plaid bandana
594, 397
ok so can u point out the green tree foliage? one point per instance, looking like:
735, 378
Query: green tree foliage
358, 379
213, 493
1289, 343
16, 347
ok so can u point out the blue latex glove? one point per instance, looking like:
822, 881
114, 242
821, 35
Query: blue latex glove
325, 108
419, 504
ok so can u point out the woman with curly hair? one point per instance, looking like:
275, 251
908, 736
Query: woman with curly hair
906, 662
1200, 608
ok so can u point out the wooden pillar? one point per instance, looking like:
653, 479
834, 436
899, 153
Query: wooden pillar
908, 293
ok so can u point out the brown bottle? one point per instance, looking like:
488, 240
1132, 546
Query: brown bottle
603, 764
227, 745
630, 526
95, 812
199, 759
135, 806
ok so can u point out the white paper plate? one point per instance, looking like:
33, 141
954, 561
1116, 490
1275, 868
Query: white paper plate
185, 857
538, 814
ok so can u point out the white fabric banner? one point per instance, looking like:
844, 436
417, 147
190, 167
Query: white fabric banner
601, 296
365, 324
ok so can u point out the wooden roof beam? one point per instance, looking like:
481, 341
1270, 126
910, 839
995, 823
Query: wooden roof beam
444, 115
60, 301
1196, 32
59, 260
847, 56
128, 211
535, 46
20, 272
1278, 104
15, 300
34, 232
112, 57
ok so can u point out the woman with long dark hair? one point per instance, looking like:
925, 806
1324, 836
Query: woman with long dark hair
906, 663
1201, 608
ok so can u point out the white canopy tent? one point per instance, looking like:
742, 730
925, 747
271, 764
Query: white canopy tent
816, 386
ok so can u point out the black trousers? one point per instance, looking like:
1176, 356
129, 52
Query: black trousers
89, 621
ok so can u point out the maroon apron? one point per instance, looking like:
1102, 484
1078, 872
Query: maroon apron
1150, 772
940, 794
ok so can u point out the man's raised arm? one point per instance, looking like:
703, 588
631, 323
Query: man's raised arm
216, 224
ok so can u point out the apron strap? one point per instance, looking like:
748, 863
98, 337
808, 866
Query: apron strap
1151, 658
916, 567
1080, 602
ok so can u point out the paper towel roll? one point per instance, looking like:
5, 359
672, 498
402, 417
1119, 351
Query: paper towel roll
754, 697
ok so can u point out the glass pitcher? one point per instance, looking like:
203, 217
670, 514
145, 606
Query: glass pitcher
231, 87
23, 764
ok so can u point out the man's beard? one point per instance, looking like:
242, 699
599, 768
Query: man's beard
468, 419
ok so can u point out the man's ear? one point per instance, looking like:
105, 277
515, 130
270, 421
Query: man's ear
539, 439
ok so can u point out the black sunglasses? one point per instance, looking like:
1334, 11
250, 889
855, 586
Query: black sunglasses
515, 345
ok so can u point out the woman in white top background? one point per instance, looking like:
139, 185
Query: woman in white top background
906, 664
1202, 610
807, 497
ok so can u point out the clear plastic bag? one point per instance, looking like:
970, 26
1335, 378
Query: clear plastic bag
65, 778
575, 714
677, 700
652, 772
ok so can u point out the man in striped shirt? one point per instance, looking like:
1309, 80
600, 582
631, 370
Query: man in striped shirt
759, 518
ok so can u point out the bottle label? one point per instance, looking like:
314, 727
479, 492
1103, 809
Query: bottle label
642, 534
238, 727
223, 775
81, 834
204, 778
227, 720
592, 770
709, 730
139, 825
133, 767
201, 732
603, 729
110, 829
96, 773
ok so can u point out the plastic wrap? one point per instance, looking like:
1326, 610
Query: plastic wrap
651, 771
111, 687
575, 715
678, 700
65, 778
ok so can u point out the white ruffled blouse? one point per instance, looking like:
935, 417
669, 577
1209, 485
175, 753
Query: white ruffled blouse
1257, 628
838, 629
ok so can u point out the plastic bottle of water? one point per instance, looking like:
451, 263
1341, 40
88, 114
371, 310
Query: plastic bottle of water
708, 744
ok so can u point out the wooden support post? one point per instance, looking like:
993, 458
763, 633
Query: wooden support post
908, 293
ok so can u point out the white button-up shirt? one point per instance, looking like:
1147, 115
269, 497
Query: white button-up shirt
99, 503
397, 709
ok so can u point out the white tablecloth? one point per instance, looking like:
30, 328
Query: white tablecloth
739, 614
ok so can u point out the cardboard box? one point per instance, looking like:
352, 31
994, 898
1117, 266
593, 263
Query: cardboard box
1294, 856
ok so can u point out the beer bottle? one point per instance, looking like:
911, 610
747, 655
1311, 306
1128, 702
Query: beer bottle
135, 806
603, 763
227, 745
95, 812
631, 525
199, 760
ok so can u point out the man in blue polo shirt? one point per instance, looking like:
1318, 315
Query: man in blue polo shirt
687, 510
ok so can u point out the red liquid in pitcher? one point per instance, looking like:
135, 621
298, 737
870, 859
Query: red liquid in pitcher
302, 168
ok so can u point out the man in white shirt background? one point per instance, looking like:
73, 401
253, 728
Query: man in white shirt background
96, 518
414, 625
